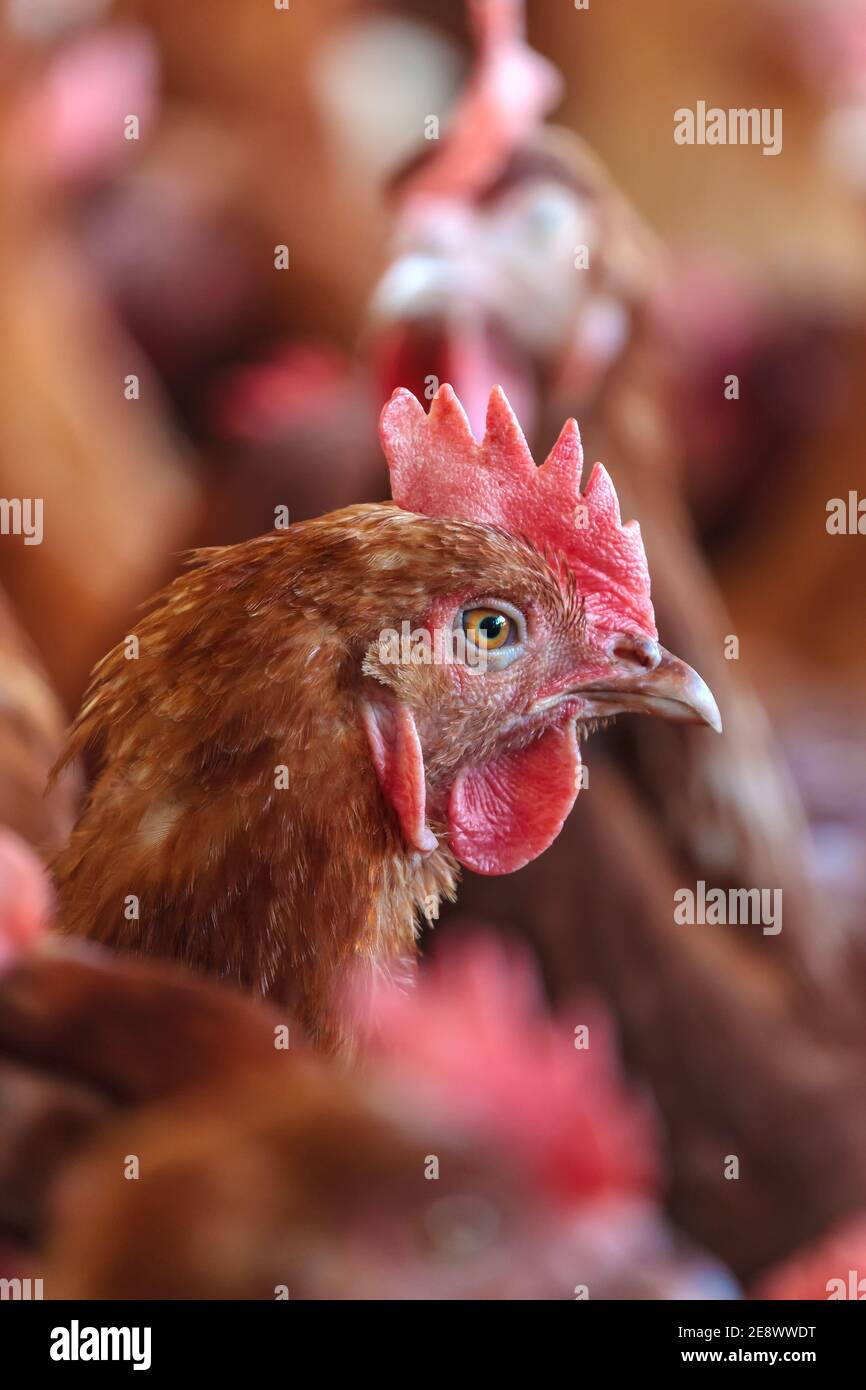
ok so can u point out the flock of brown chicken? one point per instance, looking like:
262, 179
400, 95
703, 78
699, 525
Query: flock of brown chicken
192, 1108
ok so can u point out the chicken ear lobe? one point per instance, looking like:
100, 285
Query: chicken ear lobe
399, 762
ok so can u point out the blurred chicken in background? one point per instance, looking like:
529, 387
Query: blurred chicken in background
528, 1172
79, 429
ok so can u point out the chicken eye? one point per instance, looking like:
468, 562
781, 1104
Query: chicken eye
489, 628
493, 633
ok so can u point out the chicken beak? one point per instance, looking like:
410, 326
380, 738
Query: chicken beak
661, 685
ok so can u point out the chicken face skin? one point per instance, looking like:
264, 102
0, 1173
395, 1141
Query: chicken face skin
486, 722
499, 740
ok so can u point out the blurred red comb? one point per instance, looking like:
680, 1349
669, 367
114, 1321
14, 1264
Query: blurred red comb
438, 469
476, 1033
831, 1268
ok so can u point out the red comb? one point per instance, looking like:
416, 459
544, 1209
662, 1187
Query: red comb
438, 469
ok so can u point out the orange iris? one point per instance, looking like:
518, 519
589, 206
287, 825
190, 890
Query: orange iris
487, 628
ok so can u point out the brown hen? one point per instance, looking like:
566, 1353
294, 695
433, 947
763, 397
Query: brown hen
281, 792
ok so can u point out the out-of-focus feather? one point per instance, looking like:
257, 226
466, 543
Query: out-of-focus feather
31, 735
